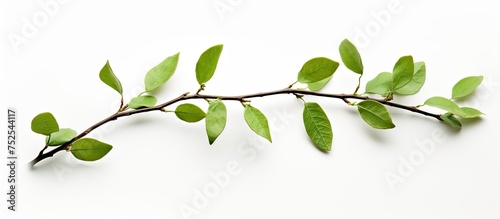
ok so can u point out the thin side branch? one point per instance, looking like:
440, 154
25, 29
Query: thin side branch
240, 98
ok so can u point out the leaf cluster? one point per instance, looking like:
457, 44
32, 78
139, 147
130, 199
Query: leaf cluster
407, 78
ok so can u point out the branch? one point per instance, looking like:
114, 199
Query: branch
344, 97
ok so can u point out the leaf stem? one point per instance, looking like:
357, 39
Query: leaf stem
186, 96
121, 108
202, 87
347, 101
359, 84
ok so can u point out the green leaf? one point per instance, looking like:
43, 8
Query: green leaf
416, 82
382, 84
142, 101
61, 137
451, 120
444, 104
350, 56
466, 86
318, 85
160, 74
207, 63
469, 112
45, 124
318, 126
89, 149
189, 113
375, 114
108, 77
402, 72
257, 121
215, 122
453, 108
317, 69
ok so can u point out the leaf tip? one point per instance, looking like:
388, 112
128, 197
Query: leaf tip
211, 141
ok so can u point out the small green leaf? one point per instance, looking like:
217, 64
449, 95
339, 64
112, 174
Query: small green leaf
318, 85
207, 63
416, 82
215, 122
61, 137
444, 104
160, 74
375, 114
257, 121
466, 86
350, 56
88, 149
142, 101
402, 72
318, 126
317, 69
189, 113
45, 124
469, 112
382, 84
108, 77
451, 120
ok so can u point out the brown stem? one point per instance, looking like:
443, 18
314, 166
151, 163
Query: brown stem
186, 96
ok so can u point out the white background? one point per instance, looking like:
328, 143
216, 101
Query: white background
158, 162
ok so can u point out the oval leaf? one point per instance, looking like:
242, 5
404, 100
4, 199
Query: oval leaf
451, 120
402, 72
318, 126
470, 113
316, 86
108, 77
207, 63
416, 82
257, 121
375, 114
61, 137
382, 84
466, 86
160, 74
45, 124
142, 101
215, 122
317, 69
189, 113
350, 56
444, 104
89, 149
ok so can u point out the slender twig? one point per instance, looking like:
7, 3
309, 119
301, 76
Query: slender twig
240, 98
44, 148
